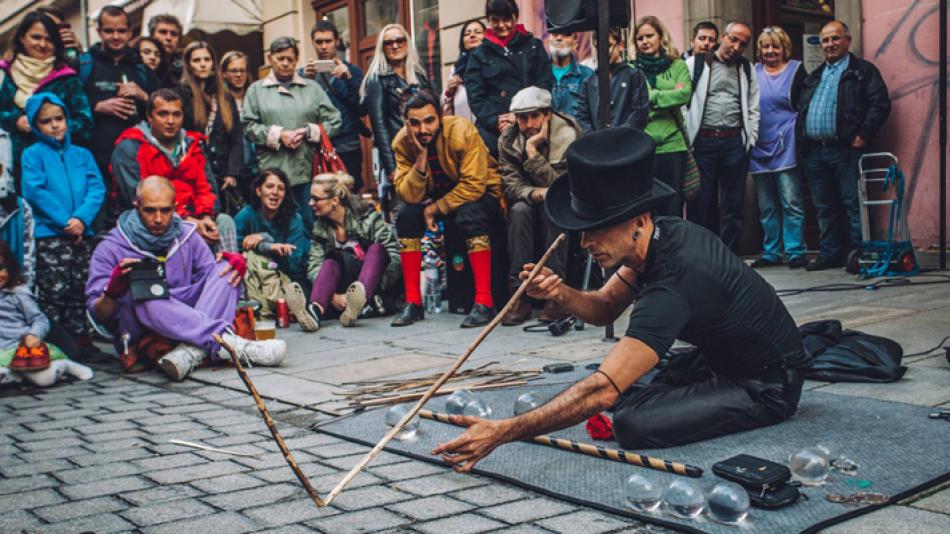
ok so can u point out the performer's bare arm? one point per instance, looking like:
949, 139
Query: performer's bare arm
625, 363
599, 307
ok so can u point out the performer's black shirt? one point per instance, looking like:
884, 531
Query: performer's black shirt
695, 289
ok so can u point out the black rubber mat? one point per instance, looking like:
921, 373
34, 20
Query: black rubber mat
899, 449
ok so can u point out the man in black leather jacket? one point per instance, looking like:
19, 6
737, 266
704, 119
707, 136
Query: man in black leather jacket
507, 61
843, 104
629, 94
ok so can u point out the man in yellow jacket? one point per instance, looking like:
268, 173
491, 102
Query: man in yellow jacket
444, 171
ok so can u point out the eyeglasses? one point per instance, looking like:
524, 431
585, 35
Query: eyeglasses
236, 72
395, 43
318, 199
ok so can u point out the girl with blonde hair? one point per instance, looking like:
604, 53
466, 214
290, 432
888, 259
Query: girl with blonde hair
353, 253
394, 71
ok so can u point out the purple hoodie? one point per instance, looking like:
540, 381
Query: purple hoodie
188, 259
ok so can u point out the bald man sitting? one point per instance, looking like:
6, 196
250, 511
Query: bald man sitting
188, 294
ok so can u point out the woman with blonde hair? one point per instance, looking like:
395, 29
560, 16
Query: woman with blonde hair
773, 162
670, 88
394, 71
353, 253
210, 110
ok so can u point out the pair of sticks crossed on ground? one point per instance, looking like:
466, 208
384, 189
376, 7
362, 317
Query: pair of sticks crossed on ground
583, 448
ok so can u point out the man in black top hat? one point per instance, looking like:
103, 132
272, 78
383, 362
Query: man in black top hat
744, 371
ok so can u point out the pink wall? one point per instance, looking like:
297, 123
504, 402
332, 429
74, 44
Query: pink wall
901, 38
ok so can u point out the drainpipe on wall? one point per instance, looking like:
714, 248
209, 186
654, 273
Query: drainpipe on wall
83, 13
942, 121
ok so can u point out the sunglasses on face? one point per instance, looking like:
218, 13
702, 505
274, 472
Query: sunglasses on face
393, 43
318, 199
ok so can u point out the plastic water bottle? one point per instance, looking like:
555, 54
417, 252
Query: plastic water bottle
433, 284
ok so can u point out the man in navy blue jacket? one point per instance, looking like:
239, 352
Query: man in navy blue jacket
342, 84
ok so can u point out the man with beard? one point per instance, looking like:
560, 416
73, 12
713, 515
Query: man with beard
723, 125
444, 171
531, 156
704, 37
191, 296
117, 84
746, 368
569, 75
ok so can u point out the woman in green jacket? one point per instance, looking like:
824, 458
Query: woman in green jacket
353, 253
670, 88
283, 115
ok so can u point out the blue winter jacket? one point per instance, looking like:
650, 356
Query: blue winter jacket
60, 180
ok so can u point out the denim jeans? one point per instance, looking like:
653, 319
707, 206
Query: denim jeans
832, 174
301, 195
781, 213
723, 165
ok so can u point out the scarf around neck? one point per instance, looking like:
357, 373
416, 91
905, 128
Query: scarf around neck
653, 66
27, 73
519, 29
138, 235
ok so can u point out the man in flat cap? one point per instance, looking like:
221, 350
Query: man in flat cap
745, 369
531, 155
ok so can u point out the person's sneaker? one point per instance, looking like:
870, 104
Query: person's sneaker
518, 314
180, 361
355, 300
314, 312
267, 353
297, 304
479, 316
797, 262
821, 264
409, 314
27, 359
760, 263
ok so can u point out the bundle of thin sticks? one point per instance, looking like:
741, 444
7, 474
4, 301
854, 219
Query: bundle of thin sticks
370, 393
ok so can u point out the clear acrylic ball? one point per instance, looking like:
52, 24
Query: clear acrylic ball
477, 408
643, 494
526, 402
728, 503
684, 498
809, 466
395, 414
455, 403
830, 453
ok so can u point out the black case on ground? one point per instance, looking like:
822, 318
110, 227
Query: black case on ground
766, 481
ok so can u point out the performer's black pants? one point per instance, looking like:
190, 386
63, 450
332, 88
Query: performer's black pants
473, 219
688, 402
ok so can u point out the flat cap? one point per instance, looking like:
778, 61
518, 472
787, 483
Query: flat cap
530, 99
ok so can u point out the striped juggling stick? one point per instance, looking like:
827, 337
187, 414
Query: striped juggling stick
617, 455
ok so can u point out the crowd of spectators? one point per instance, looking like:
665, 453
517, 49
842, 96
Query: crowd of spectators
145, 160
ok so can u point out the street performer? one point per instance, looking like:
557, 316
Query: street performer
745, 370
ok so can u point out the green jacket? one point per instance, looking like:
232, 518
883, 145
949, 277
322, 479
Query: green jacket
367, 226
665, 101
269, 108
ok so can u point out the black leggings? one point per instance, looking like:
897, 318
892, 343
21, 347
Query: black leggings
694, 404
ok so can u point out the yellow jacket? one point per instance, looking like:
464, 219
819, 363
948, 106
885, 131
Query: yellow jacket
463, 157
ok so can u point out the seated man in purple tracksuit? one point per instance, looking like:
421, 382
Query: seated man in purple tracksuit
202, 290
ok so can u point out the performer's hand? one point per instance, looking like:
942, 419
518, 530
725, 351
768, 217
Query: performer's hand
546, 284
481, 438
237, 267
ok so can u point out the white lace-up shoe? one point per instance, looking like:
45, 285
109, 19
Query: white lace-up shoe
180, 361
266, 353
297, 304
355, 300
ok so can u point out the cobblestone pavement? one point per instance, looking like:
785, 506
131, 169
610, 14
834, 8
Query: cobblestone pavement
94, 457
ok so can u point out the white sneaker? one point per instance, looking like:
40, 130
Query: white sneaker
355, 300
267, 353
297, 304
180, 361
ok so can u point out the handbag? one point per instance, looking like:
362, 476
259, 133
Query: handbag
690, 167
325, 158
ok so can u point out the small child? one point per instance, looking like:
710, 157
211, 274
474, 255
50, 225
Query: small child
23, 354
65, 189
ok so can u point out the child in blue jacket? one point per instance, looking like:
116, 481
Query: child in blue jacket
64, 187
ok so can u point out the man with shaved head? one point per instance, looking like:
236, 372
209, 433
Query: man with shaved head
180, 292
843, 104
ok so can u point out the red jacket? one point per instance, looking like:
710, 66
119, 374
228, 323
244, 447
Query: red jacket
136, 157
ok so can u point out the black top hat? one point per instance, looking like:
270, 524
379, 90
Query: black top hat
609, 179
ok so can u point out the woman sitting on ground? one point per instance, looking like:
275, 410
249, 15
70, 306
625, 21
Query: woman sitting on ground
276, 246
353, 254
